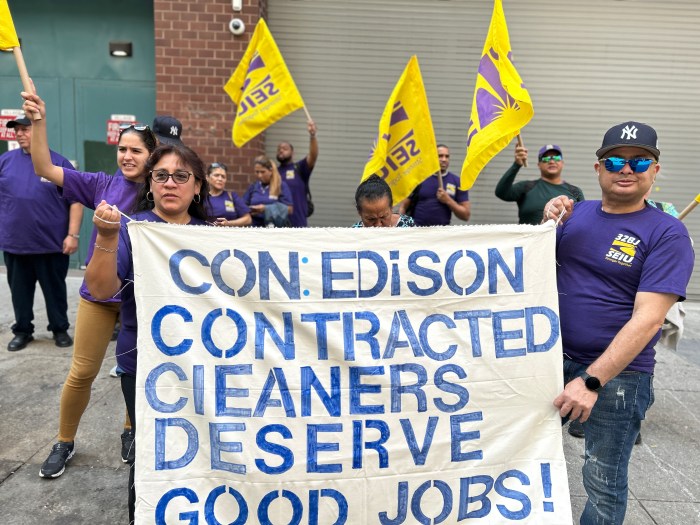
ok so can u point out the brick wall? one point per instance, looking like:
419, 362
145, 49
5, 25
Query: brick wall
195, 56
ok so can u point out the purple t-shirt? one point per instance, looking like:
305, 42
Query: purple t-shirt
33, 216
227, 205
90, 189
297, 175
259, 194
126, 342
603, 261
430, 211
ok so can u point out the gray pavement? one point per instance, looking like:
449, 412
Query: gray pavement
664, 472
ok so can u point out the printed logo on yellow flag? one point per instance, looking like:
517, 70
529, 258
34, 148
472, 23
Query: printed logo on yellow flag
8, 35
405, 152
261, 87
501, 106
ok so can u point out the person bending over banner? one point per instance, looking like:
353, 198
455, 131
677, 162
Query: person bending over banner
225, 208
175, 192
95, 319
373, 200
624, 263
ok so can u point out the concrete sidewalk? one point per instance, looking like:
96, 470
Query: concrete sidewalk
664, 473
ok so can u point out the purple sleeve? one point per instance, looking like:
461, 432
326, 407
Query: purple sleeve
248, 195
461, 195
240, 205
286, 195
669, 265
85, 188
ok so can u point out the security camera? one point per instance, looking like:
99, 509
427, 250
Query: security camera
236, 26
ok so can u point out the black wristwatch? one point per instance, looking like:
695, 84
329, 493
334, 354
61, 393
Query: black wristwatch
592, 383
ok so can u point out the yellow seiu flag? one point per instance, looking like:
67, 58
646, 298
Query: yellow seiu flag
8, 35
261, 87
501, 106
405, 152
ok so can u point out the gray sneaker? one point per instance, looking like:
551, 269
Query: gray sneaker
55, 464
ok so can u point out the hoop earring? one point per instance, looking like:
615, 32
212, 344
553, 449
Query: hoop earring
149, 196
197, 198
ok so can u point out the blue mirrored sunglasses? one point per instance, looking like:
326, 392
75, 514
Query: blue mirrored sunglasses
637, 165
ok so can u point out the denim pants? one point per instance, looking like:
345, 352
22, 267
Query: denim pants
610, 431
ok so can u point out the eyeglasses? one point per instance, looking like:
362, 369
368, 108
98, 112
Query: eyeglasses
637, 165
162, 176
124, 127
555, 158
216, 165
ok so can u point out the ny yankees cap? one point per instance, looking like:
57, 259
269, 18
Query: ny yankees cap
630, 134
167, 129
549, 147
19, 120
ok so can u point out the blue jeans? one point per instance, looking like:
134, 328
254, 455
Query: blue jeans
610, 430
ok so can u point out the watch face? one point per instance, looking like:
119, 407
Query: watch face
592, 383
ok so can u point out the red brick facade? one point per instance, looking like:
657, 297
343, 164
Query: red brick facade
195, 56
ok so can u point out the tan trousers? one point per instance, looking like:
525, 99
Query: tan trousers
94, 326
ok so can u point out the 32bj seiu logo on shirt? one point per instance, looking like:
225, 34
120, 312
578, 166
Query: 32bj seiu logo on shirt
623, 250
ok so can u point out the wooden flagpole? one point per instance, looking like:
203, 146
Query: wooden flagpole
690, 207
24, 75
520, 143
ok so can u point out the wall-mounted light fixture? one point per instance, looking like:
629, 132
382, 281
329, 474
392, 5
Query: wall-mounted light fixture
120, 49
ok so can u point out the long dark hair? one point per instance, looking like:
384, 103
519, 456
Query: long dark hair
190, 159
372, 189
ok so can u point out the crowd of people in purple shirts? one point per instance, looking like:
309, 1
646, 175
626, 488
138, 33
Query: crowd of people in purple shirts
160, 179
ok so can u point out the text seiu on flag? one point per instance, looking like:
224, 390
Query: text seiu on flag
501, 105
8, 35
405, 152
261, 87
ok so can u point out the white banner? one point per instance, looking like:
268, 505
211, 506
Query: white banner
327, 376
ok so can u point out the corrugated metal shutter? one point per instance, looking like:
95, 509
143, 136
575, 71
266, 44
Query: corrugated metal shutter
588, 65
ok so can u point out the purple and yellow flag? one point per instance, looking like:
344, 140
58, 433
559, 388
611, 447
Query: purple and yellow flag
8, 35
405, 152
261, 87
502, 105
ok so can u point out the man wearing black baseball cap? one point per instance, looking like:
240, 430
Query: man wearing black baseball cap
38, 232
531, 195
167, 129
621, 264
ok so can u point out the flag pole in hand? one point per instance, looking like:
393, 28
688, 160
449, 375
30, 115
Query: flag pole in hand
24, 75
520, 143
690, 207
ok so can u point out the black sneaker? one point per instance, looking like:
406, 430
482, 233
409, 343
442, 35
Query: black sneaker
128, 449
55, 464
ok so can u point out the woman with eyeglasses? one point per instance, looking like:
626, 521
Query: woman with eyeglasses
95, 319
226, 208
373, 200
174, 192
269, 198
